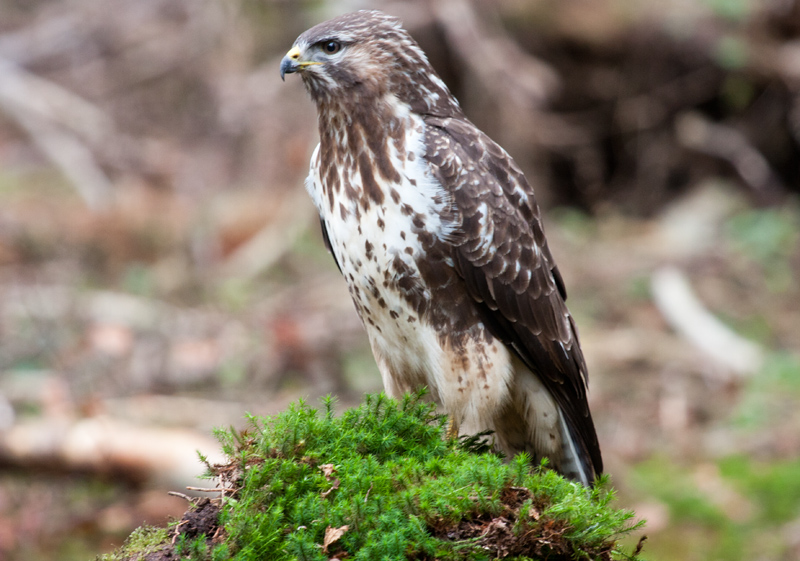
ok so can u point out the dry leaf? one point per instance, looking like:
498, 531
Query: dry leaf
332, 535
327, 470
534, 513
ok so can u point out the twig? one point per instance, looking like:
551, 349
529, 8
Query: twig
519, 83
274, 240
499, 63
678, 304
177, 531
698, 133
46, 38
181, 495
639, 546
46, 112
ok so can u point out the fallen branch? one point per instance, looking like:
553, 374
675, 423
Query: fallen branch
678, 304
109, 446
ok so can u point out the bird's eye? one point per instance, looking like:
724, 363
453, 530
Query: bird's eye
331, 47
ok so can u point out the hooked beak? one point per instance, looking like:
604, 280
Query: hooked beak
291, 63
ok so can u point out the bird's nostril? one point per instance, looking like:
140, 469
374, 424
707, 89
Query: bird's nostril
294, 53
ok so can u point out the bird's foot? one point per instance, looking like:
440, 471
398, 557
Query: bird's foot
452, 429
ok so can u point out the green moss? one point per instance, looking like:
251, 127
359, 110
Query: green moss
770, 239
673, 485
380, 482
194, 549
734, 517
774, 487
143, 541
770, 396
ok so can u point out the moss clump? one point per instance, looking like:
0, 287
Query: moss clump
379, 482
143, 542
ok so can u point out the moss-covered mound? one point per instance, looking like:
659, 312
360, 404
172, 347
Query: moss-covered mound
380, 482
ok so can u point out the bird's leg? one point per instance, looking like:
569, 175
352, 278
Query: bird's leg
452, 429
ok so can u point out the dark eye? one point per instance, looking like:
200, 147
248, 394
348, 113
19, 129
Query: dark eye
331, 47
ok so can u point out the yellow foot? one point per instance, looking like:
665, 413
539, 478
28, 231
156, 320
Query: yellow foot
452, 429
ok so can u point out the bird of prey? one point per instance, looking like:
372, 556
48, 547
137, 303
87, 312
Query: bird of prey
440, 239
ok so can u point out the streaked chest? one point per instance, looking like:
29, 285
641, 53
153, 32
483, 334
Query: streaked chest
381, 223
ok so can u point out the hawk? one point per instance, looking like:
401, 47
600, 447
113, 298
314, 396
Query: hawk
440, 239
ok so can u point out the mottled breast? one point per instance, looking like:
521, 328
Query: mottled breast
382, 241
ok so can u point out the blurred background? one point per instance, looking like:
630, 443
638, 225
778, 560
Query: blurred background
162, 273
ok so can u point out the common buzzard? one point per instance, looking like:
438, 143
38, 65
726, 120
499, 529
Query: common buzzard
441, 242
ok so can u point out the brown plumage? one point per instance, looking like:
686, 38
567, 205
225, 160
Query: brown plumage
440, 240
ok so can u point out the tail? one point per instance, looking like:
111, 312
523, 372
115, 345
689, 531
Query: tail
576, 463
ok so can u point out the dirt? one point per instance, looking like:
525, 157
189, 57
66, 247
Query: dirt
201, 519
543, 538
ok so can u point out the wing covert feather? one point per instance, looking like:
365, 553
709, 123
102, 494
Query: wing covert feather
502, 255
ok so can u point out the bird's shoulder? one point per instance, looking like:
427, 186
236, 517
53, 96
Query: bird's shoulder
501, 231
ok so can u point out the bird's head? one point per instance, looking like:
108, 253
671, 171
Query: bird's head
362, 55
